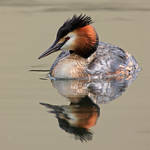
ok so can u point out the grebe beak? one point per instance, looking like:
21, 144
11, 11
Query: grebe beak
54, 48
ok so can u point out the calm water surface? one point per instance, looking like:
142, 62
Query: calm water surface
27, 29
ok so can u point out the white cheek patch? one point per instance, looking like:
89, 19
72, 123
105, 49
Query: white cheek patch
68, 44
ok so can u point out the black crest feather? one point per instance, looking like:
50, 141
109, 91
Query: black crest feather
72, 24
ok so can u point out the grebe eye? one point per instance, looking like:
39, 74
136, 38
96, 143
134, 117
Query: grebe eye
67, 38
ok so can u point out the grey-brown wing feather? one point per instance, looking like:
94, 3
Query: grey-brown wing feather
108, 59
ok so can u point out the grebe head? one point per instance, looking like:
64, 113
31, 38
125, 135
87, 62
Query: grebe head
76, 35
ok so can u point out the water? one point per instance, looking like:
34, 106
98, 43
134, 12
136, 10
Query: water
27, 29
85, 97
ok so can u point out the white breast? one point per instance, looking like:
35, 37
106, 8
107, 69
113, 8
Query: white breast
63, 70
69, 68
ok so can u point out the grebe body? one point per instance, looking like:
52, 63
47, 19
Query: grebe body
83, 56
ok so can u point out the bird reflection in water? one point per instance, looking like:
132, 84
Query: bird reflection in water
77, 118
85, 96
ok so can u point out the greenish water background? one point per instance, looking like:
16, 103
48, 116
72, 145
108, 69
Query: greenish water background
27, 28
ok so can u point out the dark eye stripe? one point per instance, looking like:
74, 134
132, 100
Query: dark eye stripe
67, 38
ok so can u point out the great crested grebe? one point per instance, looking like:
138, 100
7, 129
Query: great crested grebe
83, 56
